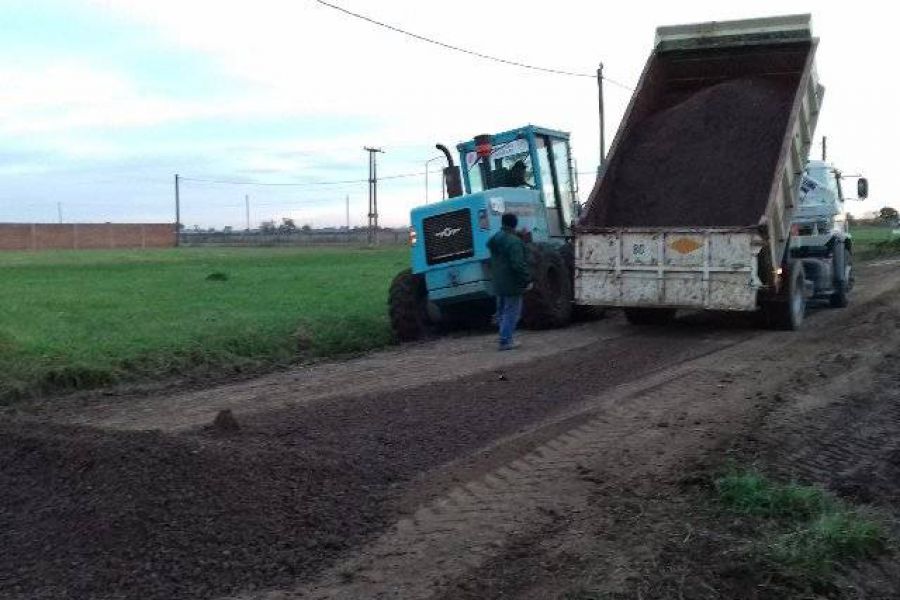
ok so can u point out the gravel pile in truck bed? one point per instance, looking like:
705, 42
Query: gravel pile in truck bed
707, 161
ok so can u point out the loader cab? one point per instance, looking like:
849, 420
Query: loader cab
528, 157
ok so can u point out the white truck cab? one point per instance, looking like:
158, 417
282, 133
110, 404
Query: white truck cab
820, 237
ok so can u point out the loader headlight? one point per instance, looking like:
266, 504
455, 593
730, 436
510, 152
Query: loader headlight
413, 236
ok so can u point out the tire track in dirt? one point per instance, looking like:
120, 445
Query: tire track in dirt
449, 542
289, 493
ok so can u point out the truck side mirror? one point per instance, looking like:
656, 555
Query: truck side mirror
862, 188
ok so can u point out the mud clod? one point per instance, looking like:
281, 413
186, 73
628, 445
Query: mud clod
225, 422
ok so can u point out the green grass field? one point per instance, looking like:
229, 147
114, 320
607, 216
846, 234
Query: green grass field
79, 320
871, 241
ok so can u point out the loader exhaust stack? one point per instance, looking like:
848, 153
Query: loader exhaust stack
452, 177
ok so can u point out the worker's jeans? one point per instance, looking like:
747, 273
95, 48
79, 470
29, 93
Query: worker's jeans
509, 308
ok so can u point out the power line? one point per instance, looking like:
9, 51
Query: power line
505, 61
299, 184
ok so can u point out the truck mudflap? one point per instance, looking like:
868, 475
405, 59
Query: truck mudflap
686, 268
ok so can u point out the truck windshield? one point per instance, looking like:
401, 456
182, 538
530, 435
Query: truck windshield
508, 166
817, 179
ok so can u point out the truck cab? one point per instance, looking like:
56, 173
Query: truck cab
526, 171
820, 237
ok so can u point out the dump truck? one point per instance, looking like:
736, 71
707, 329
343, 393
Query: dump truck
697, 205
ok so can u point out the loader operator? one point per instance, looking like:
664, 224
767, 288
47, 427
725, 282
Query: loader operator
511, 277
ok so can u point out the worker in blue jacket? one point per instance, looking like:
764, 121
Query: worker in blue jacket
509, 270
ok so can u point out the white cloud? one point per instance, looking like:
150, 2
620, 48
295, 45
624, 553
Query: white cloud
299, 59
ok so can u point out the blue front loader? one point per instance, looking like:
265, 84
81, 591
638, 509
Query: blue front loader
525, 171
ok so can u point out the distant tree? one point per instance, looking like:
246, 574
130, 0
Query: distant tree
306, 228
196, 229
287, 226
267, 227
211, 230
888, 214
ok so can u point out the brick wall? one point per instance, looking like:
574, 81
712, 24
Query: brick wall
75, 236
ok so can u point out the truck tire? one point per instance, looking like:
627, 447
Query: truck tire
548, 303
787, 314
843, 272
408, 307
649, 316
580, 312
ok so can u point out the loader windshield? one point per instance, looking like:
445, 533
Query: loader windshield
509, 165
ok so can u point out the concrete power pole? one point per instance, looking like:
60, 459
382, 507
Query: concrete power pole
177, 212
373, 194
602, 120
247, 210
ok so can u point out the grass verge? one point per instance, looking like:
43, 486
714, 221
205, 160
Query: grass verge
806, 530
873, 242
88, 319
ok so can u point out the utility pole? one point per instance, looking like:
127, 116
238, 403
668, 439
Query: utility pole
59, 211
373, 193
600, 164
177, 213
247, 210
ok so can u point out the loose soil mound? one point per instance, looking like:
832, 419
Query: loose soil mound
706, 161
85, 514
151, 516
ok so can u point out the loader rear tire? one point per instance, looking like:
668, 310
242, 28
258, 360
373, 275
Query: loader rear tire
408, 307
649, 316
549, 303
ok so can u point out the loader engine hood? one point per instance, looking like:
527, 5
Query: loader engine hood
458, 229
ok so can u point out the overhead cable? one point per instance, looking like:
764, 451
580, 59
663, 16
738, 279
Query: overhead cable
505, 61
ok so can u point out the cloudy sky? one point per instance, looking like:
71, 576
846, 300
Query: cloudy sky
103, 101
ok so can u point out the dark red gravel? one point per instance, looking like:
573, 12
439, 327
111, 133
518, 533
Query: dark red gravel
707, 161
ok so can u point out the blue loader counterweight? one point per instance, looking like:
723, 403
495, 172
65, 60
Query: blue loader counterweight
525, 171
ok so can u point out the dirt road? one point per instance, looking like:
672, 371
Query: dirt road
447, 470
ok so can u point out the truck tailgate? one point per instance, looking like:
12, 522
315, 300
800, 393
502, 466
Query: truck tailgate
687, 268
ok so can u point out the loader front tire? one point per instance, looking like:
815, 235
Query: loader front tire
408, 307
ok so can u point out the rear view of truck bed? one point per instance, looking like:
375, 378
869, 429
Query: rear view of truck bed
704, 170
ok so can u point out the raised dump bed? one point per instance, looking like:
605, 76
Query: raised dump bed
701, 180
